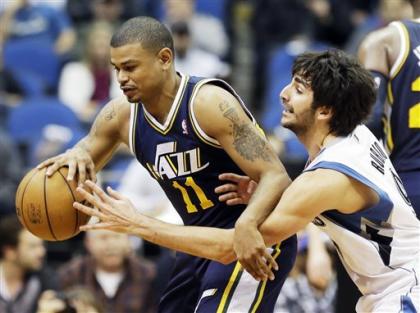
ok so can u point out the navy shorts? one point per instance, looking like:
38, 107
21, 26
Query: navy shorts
204, 286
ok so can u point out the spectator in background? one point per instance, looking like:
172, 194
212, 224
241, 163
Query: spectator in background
299, 294
87, 84
22, 275
112, 11
10, 174
11, 92
202, 26
77, 299
22, 20
120, 281
195, 61
387, 11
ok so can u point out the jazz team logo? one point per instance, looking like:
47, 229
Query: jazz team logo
170, 164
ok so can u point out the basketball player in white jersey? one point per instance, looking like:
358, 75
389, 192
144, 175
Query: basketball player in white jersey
349, 189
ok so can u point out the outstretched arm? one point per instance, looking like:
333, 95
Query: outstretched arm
117, 213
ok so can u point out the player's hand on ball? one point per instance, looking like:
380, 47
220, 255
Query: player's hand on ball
77, 159
114, 211
238, 189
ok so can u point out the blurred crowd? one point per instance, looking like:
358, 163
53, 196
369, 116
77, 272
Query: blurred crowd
55, 75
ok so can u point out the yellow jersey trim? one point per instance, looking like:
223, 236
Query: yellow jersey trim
405, 49
227, 294
261, 289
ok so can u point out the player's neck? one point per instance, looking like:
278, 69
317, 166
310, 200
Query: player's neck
160, 105
316, 141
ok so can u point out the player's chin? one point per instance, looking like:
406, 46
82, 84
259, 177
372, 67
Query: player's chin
133, 99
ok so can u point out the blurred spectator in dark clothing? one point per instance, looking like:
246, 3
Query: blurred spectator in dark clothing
22, 275
11, 91
119, 280
21, 20
10, 174
331, 21
112, 11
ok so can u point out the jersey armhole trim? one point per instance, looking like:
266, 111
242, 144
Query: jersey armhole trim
404, 50
197, 129
384, 200
132, 131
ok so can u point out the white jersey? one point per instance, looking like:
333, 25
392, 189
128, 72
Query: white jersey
379, 245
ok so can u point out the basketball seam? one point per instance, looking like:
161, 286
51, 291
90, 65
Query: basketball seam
46, 207
21, 202
76, 228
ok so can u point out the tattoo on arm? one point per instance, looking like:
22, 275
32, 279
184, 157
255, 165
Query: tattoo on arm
246, 141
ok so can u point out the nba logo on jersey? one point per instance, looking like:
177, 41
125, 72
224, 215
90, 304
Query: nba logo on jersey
184, 127
170, 164
416, 52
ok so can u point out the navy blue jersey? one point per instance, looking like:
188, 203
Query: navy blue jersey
184, 160
402, 115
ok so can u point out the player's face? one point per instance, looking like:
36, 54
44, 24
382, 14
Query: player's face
297, 98
139, 71
30, 251
109, 249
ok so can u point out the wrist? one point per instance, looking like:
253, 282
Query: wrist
246, 222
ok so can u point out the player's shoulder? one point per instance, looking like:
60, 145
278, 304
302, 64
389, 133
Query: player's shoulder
381, 37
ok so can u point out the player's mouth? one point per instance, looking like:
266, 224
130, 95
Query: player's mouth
128, 90
287, 110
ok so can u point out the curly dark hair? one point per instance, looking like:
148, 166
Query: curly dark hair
339, 82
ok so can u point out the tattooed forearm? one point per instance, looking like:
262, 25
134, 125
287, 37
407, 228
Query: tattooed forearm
247, 142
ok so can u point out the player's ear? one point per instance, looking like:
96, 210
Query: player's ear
165, 57
324, 113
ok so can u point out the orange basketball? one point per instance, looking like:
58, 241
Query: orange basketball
44, 205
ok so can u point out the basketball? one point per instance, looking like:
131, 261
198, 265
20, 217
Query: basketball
44, 205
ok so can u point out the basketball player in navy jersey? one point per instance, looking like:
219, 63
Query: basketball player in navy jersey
186, 131
349, 189
392, 54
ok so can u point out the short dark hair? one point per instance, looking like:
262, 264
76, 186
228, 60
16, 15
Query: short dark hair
147, 31
339, 82
10, 229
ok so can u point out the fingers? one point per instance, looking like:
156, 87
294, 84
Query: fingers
97, 226
270, 260
235, 201
90, 211
81, 167
228, 196
251, 187
98, 191
232, 177
46, 163
226, 188
72, 170
115, 194
91, 172
94, 201
53, 168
